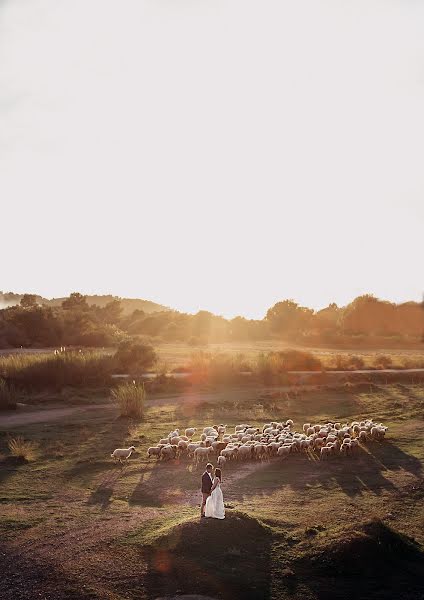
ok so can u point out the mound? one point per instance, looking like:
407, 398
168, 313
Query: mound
371, 548
208, 557
382, 562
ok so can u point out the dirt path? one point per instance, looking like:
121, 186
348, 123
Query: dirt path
25, 416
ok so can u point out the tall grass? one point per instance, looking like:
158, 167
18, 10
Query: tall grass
8, 396
23, 449
130, 398
73, 368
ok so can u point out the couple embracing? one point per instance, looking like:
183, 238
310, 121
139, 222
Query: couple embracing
212, 498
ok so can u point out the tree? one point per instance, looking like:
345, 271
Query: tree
76, 301
111, 313
287, 318
134, 357
28, 301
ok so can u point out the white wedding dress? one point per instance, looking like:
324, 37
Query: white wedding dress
215, 503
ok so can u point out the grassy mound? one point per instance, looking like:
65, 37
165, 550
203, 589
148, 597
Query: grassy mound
374, 547
382, 562
208, 557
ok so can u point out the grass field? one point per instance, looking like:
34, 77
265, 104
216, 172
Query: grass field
175, 355
75, 525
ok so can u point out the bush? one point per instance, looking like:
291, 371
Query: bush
349, 362
130, 398
8, 396
134, 357
22, 449
383, 361
54, 371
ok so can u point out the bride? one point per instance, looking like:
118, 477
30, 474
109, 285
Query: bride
215, 502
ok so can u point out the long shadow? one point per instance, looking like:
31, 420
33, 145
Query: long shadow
9, 466
393, 458
229, 559
354, 475
103, 493
160, 483
27, 578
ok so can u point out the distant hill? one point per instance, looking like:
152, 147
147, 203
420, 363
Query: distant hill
129, 305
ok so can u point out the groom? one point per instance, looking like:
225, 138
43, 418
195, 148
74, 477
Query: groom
206, 487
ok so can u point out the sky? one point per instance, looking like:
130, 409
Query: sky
213, 154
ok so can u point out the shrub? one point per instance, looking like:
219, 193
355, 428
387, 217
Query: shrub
22, 449
349, 362
383, 361
135, 357
130, 398
54, 371
8, 396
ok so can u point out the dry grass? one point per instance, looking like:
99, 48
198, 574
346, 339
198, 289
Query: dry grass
23, 449
8, 395
130, 398
90, 507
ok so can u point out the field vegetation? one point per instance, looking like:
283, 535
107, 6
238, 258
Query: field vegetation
75, 525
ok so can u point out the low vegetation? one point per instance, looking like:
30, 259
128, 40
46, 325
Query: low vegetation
76, 525
8, 395
23, 449
130, 397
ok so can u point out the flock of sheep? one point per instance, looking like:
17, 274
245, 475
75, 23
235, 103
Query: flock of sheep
275, 439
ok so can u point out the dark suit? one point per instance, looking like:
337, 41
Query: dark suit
206, 490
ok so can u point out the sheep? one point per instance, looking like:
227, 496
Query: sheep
190, 431
164, 441
192, 447
252, 430
154, 451
239, 428
229, 453
260, 451
289, 423
218, 446
201, 454
221, 461
122, 453
245, 452
326, 451
168, 452
182, 446
283, 451
306, 426
222, 429
362, 436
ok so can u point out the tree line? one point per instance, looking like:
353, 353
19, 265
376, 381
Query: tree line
77, 322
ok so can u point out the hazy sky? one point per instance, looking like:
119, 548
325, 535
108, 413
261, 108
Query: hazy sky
216, 154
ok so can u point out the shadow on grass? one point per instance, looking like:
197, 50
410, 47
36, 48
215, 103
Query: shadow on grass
354, 475
9, 466
103, 493
25, 578
229, 559
163, 483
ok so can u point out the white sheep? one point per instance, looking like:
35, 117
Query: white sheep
221, 461
201, 454
168, 452
190, 431
154, 451
122, 453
